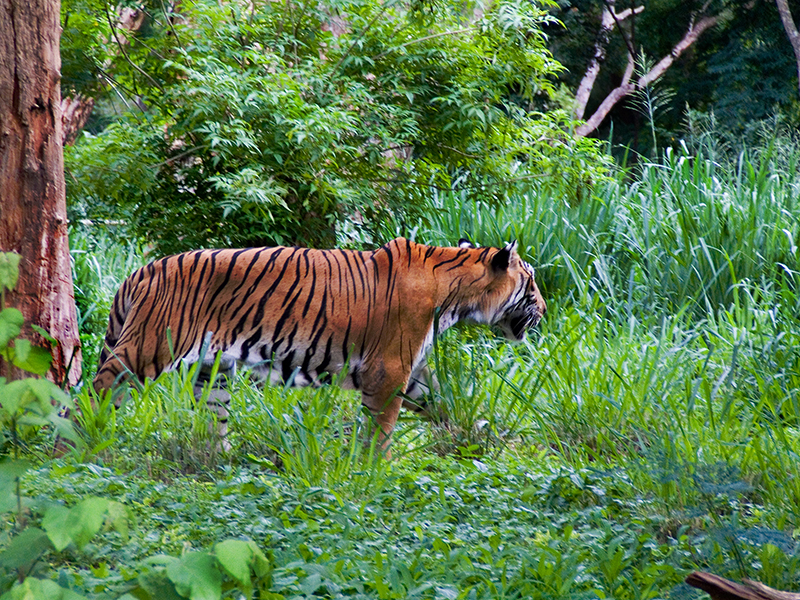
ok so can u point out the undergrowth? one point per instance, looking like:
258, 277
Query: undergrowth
649, 427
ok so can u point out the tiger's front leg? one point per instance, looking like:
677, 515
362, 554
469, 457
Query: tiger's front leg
382, 385
418, 396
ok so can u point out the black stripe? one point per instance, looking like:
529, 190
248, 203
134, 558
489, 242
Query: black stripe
326, 359
286, 366
231, 265
260, 310
248, 343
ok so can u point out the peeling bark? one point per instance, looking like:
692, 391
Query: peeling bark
33, 212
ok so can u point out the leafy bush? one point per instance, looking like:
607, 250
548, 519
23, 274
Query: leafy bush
30, 403
265, 128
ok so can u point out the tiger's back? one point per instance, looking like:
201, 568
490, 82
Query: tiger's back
279, 308
305, 313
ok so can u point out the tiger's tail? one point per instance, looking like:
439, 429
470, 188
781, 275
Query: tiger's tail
123, 300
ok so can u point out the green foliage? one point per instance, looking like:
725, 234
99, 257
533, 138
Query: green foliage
32, 403
688, 234
22, 353
648, 427
28, 403
267, 129
314, 437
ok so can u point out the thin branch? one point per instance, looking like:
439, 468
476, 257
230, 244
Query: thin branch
586, 85
617, 17
171, 27
422, 39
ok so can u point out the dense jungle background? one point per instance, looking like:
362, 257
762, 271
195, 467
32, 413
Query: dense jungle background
644, 155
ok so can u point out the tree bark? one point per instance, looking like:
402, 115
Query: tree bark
33, 213
791, 32
694, 32
75, 113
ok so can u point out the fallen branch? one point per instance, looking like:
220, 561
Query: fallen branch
720, 588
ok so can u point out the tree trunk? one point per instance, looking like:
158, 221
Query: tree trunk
626, 87
606, 26
33, 212
791, 32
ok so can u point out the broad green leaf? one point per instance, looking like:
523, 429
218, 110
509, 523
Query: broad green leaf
161, 560
45, 390
22, 348
261, 564
44, 333
25, 549
117, 518
78, 524
40, 589
9, 270
55, 524
16, 396
31, 358
157, 585
235, 556
65, 428
11, 321
9, 471
196, 576
33, 420
87, 517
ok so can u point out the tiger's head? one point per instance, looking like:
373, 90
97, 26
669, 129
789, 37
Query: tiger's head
512, 301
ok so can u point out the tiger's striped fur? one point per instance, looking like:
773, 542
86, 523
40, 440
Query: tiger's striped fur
305, 313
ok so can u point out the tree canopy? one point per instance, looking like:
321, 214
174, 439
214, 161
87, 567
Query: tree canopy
272, 123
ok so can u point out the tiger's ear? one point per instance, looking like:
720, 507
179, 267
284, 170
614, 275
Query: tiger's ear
502, 258
465, 243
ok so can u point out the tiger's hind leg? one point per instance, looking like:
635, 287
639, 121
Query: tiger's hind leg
218, 398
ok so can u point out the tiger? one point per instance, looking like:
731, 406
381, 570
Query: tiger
304, 316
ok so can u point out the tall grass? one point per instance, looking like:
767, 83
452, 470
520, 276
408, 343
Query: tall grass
652, 419
679, 234
670, 349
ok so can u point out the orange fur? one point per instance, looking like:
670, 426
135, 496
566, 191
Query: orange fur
305, 313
